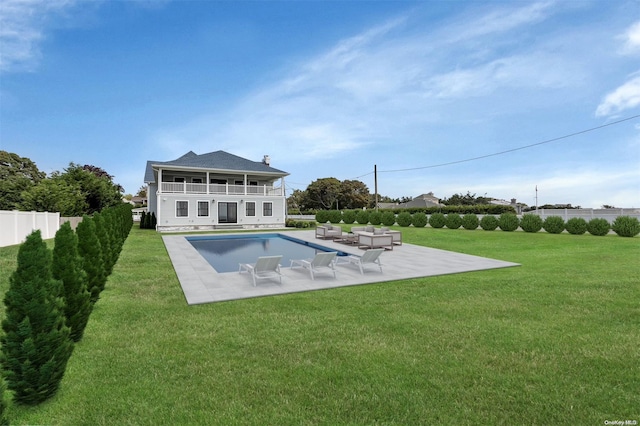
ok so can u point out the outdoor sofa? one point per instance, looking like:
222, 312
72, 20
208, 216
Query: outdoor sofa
395, 235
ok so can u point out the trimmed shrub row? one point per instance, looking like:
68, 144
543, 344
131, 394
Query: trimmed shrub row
148, 221
50, 297
624, 226
292, 223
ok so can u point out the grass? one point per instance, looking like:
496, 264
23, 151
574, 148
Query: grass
556, 340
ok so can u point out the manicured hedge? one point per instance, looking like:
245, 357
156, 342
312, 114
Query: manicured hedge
453, 221
362, 217
470, 221
531, 223
576, 226
626, 226
508, 222
598, 227
419, 220
489, 223
404, 219
553, 224
437, 220
349, 216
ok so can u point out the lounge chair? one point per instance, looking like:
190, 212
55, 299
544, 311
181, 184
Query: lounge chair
322, 262
265, 267
370, 257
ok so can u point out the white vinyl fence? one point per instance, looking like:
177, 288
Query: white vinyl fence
15, 225
588, 214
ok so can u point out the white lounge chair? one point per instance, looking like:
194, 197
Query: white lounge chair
322, 262
265, 267
370, 257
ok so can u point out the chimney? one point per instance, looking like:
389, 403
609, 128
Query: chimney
266, 160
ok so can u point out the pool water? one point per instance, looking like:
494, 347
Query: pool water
225, 253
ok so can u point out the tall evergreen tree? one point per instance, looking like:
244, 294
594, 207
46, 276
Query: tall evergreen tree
106, 244
36, 344
3, 404
67, 267
91, 253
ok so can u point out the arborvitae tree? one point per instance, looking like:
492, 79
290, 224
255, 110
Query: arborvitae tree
154, 221
142, 219
147, 221
111, 225
3, 404
36, 344
67, 267
105, 244
91, 253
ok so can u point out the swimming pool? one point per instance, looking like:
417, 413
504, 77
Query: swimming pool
224, 253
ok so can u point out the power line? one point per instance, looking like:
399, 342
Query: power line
508, 150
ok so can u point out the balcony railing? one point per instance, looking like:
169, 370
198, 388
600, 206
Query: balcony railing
218, 188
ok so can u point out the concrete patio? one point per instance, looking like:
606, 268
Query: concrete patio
202, 284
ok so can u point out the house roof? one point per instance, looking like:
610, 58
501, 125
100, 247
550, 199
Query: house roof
217, 160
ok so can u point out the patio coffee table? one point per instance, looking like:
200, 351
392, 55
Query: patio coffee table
347, 238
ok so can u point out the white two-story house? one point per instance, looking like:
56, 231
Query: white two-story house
215, 191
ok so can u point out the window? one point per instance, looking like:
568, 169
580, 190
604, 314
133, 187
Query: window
251, 208
178, 179
203, 208
196, 180
218, 181
267, 209
182, 209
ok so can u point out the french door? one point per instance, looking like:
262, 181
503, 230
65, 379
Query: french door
227, 212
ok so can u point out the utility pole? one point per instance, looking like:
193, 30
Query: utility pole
536, 198
375, 179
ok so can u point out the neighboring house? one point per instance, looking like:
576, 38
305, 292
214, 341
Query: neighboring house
513, 203
139, 201
216, 190
424, 200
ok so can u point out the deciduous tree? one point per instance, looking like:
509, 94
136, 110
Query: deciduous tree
324, 193
353, 194
17, 174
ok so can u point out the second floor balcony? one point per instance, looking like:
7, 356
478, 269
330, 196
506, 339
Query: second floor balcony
219, 188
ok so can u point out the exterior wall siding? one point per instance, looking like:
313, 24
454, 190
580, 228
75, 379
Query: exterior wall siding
168, 220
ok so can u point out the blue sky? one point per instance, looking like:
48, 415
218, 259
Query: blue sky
330, 89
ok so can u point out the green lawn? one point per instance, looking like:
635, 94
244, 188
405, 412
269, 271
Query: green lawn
555, 341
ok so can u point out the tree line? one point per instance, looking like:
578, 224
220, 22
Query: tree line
333, 194
76, 191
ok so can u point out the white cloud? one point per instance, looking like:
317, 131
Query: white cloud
631, 39
624, 97
22, 28
382, 84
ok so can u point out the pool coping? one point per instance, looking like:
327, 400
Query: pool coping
201, 283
